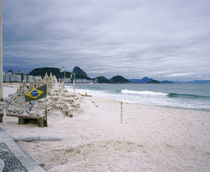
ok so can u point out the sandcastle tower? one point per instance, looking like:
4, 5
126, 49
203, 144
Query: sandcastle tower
45, 77
31, 84
50, 82
55, 79
39, 82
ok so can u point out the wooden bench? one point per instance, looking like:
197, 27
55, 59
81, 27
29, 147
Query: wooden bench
41, 121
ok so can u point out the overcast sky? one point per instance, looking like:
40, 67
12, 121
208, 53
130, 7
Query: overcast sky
163, 39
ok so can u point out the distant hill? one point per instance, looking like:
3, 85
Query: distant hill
166, 82
118, 79
42, 71
80, 74
147, 80
141, 81
153, 82
101, 79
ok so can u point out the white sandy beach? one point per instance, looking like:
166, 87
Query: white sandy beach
149, 139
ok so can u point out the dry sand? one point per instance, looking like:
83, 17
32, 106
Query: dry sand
149, 139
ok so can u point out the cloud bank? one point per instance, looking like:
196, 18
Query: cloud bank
161, 39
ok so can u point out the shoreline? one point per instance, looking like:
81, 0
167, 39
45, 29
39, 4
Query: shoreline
195, 98
181, 108
151, 138
164, 106
152, 106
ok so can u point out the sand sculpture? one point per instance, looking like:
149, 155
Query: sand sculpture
58, 98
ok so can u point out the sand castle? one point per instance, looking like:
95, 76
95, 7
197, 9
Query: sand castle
58, 98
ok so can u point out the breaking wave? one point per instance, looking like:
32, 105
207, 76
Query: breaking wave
191, 96
171, 95
151, 93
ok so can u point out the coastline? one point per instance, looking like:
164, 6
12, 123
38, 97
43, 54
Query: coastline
177, 96
151, 138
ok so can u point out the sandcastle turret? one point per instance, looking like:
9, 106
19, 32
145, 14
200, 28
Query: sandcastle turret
50, 82
51, 75
32, 83
39, 82
45, 77
55, 79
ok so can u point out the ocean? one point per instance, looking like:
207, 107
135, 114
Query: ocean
191, 96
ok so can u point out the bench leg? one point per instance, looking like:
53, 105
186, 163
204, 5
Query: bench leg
45, 118
41, 122
45, 122
21, 120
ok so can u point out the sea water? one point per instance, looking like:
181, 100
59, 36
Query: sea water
193, 96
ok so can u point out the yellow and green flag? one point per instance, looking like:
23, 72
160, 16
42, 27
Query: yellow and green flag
36, 93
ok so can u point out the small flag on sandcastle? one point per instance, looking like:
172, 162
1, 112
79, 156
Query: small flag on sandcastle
36, 93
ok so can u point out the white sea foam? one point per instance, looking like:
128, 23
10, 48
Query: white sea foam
88, 91
151, 93
143, 97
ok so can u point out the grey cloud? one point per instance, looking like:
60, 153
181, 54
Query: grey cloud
134, 38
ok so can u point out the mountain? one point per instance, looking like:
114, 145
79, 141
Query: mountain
42, 71
80, 74
153, 82
141, 81
55, 71
147, 80
118, 79
101, 79
166, 82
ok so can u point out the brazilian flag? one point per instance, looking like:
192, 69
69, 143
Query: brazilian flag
36, 93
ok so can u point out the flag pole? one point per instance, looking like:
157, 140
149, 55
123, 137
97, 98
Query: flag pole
64, 76
74, 74
121, 112
1, 49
